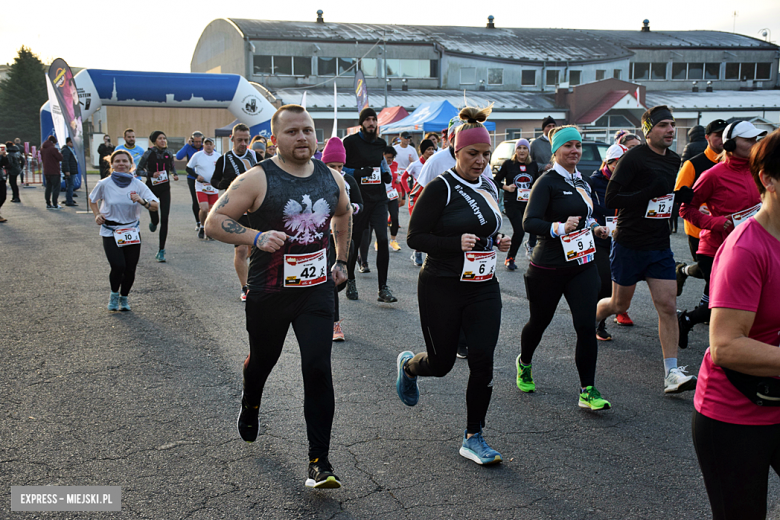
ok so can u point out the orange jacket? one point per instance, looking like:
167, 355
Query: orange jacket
686, 177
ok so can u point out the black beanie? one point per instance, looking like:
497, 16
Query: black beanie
154, 136
365, 114
425, 144
547, 120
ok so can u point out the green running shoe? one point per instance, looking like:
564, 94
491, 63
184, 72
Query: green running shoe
591, 398
525, 380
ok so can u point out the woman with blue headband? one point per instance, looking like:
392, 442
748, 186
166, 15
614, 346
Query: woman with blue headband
560, 213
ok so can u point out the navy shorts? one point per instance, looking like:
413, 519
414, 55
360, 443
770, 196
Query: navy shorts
629, 266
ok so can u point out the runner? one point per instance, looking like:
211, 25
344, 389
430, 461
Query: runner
642, 189
291, 202
334, 157
731, 198
365, 162
235, 162
135, 151
121, 196
560, 213
456, 221
157, 163
193, 146
202, 165
736, 431
396, 196
687, 176
409, 181
516, 177
598, 182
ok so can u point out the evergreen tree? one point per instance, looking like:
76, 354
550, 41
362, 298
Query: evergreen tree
22, 94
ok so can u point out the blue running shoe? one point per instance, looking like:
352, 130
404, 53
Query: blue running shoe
405, 385
113, 301
477, 449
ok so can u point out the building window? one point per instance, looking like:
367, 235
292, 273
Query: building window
347, 66
302, 66
747, 71
434, 69
552, 78
411, 69
600, 74
641, 71
320, 135
283, 65
368, 66
658, 71
695, 71
263, 64
326, 66
401, 68
712, 71
514, 133
679, 71
617, 73
732, 71
495, 76
763, 71
468, 76
575, 77
528, 78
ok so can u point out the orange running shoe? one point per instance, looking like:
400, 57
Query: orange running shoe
338, 334
623, 319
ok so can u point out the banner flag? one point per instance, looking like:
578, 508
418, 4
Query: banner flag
361, 91
335, 111
67, 97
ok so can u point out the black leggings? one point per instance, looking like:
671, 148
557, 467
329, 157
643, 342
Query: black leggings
392, 208
123, 261
735, 461
375, 214
268, 317
161, 216
448, 306
544, 288
693, 269
701, 313
515, 212
3, 190
602, 264
194, 195
14, 186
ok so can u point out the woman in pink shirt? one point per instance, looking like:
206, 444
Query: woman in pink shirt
727, 189
736, 425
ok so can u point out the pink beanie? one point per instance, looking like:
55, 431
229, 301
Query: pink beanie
334, 151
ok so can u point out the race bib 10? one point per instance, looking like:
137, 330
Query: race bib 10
478, 266
742, 216
305, 270
660, 207
127, 236
578, 245
374, 178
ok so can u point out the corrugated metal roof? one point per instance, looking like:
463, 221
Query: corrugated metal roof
411, 99
723, 99
501, 43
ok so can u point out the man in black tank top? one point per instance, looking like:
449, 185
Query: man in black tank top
292, 202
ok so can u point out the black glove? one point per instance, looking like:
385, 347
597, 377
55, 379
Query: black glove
684, 195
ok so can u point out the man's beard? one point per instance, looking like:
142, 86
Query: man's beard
369, 133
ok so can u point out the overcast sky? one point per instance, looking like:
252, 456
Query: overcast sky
141, 36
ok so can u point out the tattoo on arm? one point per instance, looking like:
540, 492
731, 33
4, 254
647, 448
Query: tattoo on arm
237, 182
231, 226
223, 202
262, 240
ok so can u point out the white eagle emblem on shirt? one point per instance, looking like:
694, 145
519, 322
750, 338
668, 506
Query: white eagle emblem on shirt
303, 222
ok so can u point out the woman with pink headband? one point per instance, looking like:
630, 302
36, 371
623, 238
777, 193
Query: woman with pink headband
456, 221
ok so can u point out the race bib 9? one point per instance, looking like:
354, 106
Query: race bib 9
742, 216
161, 178
127, 237
578, 245
305, 270
478, 266
374, 178
660, 207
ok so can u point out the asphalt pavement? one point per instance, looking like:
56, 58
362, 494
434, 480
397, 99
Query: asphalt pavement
147, 400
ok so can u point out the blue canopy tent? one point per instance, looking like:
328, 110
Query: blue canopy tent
433, 116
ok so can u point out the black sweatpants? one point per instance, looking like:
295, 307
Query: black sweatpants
693, 269
701, 313
515, 212
310, 312
448, 306
602, 264
3, 190
194, 195
123, 261
12, 178
161, 215
735, 461
392, 208
375, 214
544, 288
52, 192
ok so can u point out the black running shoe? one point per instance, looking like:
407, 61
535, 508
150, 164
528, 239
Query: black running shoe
463, 352
685, 327
681, 276
352, 292
601, 332
364, 268
386, 296
247, 421
201, 233
321, 475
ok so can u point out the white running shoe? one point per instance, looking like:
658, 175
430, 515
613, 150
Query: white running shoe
678, 381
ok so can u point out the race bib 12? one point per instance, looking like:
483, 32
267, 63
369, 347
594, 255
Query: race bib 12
660, 207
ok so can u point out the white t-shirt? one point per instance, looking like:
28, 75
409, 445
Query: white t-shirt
405, 157
203, 164
414, 169
117, 205
439, 163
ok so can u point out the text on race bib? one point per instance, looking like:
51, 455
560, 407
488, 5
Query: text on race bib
523, 195
306, 269
478, 266
161, 178
578, 245
127, 236
611, 225
392, 193
742, 216
374, 178
660, 207
208, 188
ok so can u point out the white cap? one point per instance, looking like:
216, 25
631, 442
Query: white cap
616, 151
741, 129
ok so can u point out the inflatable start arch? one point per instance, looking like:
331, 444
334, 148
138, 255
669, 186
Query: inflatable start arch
166, 89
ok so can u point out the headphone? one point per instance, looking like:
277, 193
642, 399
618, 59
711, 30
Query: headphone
729, 143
